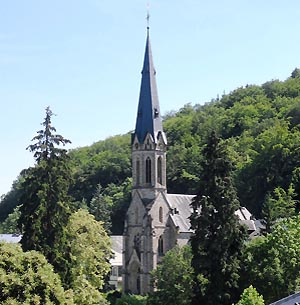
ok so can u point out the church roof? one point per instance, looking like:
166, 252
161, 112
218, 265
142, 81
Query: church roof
181, 211
293, 299
148, 116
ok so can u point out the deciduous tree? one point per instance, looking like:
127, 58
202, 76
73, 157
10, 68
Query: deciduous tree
273, 262
89, 249
250, 296
27, 278
173, 278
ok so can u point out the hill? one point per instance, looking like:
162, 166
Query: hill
261, 125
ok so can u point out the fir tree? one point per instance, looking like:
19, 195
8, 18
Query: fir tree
45, 201
99, 207
219, 237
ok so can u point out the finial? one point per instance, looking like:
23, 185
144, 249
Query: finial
148, 16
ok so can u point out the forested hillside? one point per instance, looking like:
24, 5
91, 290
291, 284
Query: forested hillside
261, 125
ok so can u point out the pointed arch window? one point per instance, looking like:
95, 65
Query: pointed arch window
159, 170
137, 171
136, 215
148, 170
160, 215
160, 249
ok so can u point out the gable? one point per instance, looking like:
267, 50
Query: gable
136, 210
160, 210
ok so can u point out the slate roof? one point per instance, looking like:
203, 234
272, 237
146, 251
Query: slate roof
148, 116
293, 299
181, 210
180, 205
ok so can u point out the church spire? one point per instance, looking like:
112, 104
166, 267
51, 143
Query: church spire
148, 116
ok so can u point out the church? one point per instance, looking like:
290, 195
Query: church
156, 221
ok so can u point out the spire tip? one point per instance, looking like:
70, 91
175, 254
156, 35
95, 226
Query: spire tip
148, 16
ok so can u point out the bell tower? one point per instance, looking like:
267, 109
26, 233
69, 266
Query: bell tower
148, 140
145, 217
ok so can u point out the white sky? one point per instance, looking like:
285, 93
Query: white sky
84, 58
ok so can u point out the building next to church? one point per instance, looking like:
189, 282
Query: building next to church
156, 221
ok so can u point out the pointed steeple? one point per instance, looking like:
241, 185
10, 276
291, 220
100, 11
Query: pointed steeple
148, 116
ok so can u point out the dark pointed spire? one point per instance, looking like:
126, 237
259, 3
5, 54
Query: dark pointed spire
148, 116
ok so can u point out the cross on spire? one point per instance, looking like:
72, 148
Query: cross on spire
148, 16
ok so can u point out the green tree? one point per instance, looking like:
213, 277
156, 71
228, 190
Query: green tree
250, 296
132, 300
273, 158
10, 224
118, 197
296, 73
173, 278
27, 278
100, 208
280, 204
90, 250
272, 263
219, 238
45, 201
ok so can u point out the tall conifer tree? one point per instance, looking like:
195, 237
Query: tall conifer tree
219, 237
45, 201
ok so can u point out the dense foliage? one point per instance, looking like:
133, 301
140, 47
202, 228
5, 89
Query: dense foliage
89, 248
131, 300
272, 263
218, 237
27, 278
173, 278
250, 296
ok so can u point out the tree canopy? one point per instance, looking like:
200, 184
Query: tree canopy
27, 278
173, 278
250, 296
89, 250
273, 262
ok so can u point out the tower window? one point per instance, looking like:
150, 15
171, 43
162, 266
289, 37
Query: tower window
137, 164
159, 170
156, 113
148, 170
160, 215
136, 216
160, 246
